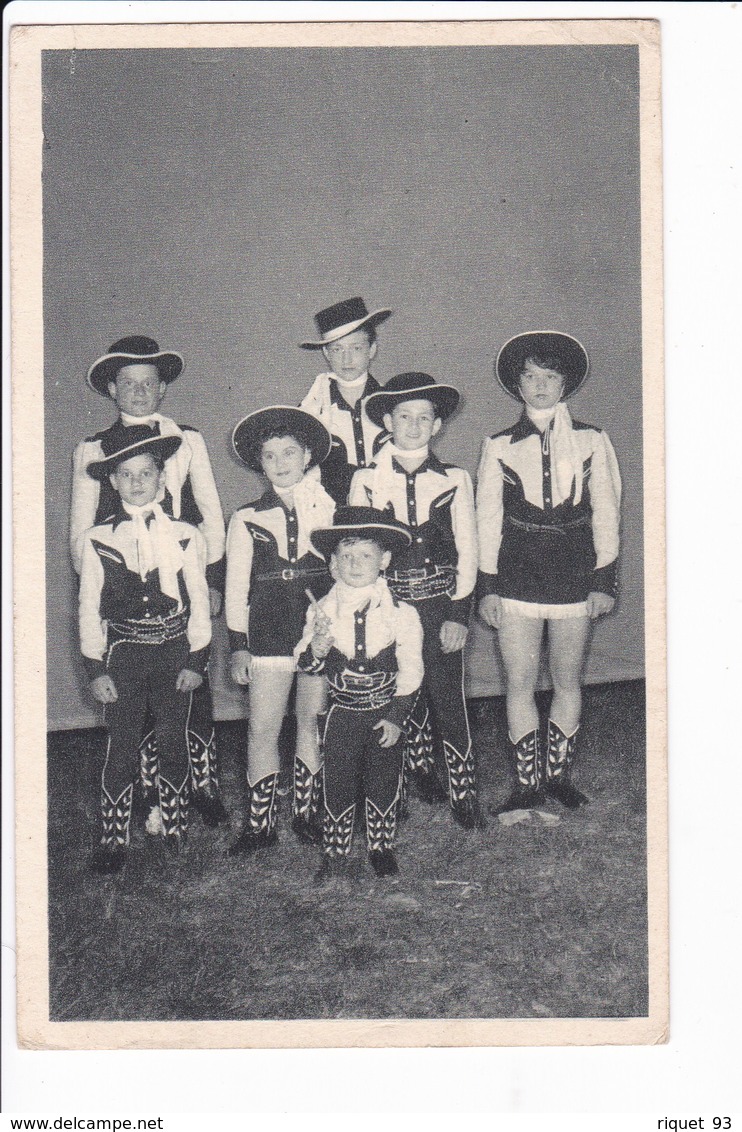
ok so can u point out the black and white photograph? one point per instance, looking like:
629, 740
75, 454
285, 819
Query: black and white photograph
350, 558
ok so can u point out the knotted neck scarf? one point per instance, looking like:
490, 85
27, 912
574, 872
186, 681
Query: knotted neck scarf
558, 440
158, 547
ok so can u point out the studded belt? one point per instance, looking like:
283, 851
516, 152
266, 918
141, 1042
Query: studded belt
291, 573
420, 585
549, 528
150, 630
362, 691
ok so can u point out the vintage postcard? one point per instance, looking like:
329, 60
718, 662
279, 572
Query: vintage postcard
339, 534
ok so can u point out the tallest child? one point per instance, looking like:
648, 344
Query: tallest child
347, 338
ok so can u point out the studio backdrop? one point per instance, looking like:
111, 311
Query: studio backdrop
216, 199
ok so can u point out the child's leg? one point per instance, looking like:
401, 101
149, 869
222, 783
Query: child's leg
382, 775
520, 644
310, 702
343, 742
444, 680
171, 710
268, 696
124, 719
202, 756
568, 641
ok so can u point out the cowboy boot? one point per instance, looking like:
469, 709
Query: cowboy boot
337, 838
260, 828
528, 791
560, 754
420, 760
462, 787
380, 831
110, 857
204, 782
174, 813
307, 794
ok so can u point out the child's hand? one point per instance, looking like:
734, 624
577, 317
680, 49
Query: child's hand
453, 636
490, 610
215, 602
322, 641
390, 732
598, 604
188, 681
104, 689
321, 645
240, 667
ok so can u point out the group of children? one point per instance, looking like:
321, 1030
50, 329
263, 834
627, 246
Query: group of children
351, 579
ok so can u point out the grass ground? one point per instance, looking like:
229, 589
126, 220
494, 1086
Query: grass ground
530, 920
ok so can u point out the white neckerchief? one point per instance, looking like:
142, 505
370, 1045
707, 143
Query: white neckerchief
559, 440
376, 596
157, 546
176, 466
356, 383
310, 502
403, 454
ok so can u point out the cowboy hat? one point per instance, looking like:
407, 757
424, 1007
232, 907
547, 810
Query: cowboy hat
343, 318
281, 420
411, 387
134, 350
564, 352
361, 523
126, 442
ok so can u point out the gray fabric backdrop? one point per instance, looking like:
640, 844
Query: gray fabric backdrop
215, 199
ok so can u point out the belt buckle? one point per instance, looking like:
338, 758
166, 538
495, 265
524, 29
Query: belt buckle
416, 575
288, 575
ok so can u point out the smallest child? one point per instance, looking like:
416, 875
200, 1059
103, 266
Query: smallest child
369, 646
145, 633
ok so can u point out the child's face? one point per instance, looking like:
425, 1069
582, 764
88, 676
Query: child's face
284, 460
350, 356
540, 388
358, 562
412, 424
137, 389
137, 480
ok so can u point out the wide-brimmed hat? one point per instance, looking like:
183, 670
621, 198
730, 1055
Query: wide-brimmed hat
136, 349
134, 440
343, 318
570, 354
361, 523
286, 420
411, 387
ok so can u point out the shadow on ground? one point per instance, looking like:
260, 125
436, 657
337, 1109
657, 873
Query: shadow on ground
532, 920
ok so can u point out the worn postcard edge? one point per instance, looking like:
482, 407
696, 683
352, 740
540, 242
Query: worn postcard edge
27, 361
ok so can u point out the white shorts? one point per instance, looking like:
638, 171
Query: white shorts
274, 663
538, 612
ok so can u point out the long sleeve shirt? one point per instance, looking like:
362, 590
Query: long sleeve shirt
377, 649
112, 591
270, 564
190, 493
436, 502
520, 483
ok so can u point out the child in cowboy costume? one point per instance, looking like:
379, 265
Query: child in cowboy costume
369, 647
437, 573
347, 338
135, 374
270, 567
548, 500
145, 631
